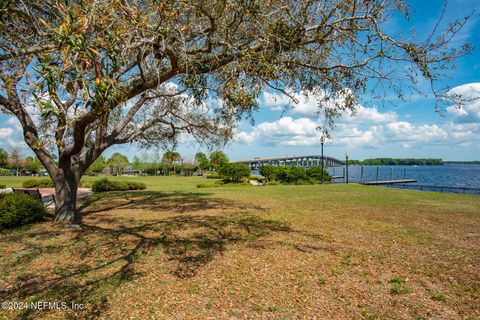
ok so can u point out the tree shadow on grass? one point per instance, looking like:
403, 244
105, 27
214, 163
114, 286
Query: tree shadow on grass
105, 253
180, 202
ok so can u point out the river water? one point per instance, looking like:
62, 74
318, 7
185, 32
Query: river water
447, 175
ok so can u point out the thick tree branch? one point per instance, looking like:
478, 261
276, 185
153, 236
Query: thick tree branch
126, 120
26, 52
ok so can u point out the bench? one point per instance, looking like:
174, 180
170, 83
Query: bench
35, 193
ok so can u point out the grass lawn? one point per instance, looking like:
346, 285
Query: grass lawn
288, 252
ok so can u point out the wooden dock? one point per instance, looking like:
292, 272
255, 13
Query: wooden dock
373, 183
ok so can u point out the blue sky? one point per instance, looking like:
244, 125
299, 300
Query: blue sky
400, 129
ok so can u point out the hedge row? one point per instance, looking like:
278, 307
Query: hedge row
104, 185
5, 172
294, 175
48, 183
19, 209
38, 183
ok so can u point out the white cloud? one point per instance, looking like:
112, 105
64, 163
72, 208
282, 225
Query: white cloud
409, 134
15, 123
283, 132
304, 103
370, 115
307, 104
350, 135
274, 101
466, 132
367, 127
5, 132
467, 103
17, 144
302, 132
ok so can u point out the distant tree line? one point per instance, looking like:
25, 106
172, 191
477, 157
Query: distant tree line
461, 162
214, 162
397, 161
154, 164
12, 163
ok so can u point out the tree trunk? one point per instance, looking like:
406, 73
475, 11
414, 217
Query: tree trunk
66, 187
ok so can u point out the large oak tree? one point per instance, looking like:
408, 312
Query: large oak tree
84, 75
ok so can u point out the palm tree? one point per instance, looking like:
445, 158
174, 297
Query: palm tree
170, 157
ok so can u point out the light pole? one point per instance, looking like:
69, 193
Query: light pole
346, 164
322, 141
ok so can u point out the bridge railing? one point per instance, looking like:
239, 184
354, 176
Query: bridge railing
305, 161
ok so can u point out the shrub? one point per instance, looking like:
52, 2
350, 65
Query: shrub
19, 209
38, 183
214, 185
221, 183
234, 172
291, 174
272, 183
5, 172
295, 175
203, 185
316, 173
86, 183
213, 176
136, 185
48, 183
269, 172
2, 186
104, 185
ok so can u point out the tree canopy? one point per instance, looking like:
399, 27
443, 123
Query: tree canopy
16, 156
201, 160
3, 158
33, 164
171, 157
404, 161
218, 159
117, 163
97, 166
137, 163
84, 75
234, 172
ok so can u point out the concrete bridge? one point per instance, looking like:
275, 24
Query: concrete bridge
298, 161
